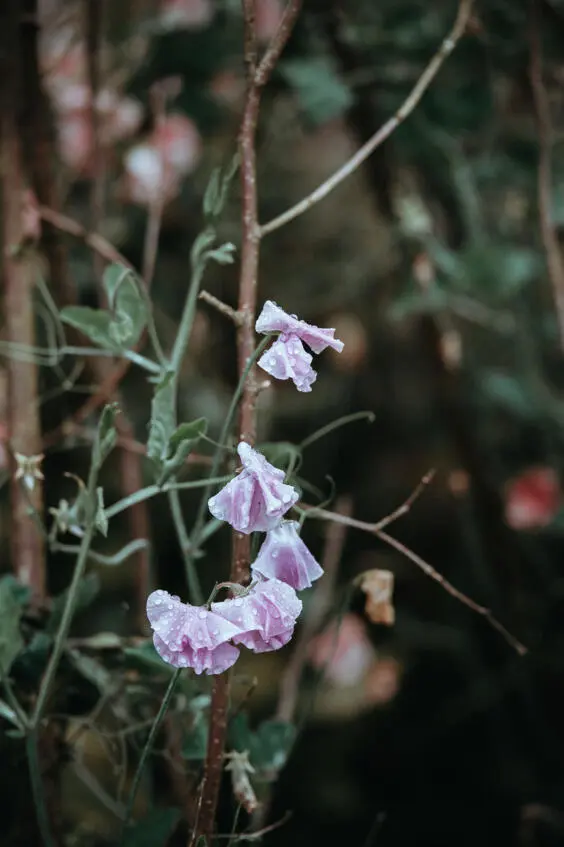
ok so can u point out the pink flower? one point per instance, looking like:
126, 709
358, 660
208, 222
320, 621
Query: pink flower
284, 556
343, 651
287, 359
155, 167
188, 636
256, 499
265, 617
532, 499
274, 319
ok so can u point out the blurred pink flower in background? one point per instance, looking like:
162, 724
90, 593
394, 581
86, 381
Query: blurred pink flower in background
65, 70
343, 651
532, 498
156, 166
186, 14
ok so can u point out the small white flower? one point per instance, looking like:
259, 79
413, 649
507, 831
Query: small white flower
29, 469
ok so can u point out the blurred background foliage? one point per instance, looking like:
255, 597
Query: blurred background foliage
429, 263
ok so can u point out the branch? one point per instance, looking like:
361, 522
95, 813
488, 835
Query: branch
377, 530
445, 49
554, 262
246, 309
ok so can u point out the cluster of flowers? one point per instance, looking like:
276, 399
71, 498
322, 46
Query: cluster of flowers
262, 616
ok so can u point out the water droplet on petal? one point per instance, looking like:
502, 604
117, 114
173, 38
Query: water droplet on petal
202, 614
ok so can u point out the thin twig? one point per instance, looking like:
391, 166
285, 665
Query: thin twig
96, 242
554, 261
447, 46
430, 571
377, 530
221, 307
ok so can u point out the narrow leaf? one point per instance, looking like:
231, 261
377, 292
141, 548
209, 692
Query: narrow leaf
105, 436
161, 426
154, 830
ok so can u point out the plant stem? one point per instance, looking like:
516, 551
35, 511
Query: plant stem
148, 745
37, 789
194, 587
153, 490
257, 77
64, 626
196, 535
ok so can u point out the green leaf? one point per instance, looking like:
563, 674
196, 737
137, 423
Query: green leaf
11, 641
223, 254
88, 590
94, 323
510, 394
218, 188
105, 436
180, 445
154, 830
127, 304
92, 670
114, 275
146, 659
320, 91
268, 747
161, 426
195, 742
121, 328
274, 742
168, 447
32, 661
100, 519
201, 245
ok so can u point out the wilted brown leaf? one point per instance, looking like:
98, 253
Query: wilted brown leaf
378, 585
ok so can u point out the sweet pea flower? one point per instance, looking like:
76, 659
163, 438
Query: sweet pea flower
284, 556
288, 359
256, 499
265, 617
188, 636
274, 319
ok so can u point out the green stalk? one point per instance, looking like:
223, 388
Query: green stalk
148, 745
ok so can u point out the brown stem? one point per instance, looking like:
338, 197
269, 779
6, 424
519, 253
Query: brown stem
257, 77
554, 262
24, 432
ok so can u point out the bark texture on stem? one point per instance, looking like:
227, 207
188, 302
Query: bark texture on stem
24, 433
258, 73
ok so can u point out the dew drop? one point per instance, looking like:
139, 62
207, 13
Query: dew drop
202, 614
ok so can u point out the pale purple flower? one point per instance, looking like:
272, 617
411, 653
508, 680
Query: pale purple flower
285, 556
188, 636
265, 617
288, 359
274, 319
256, 499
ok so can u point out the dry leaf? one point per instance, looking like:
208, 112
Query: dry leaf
379, 588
